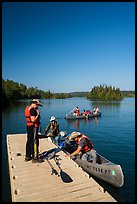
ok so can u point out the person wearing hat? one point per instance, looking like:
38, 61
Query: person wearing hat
85, 149
96, 110
32, 115
53, 127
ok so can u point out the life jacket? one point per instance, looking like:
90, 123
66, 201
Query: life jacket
28, 118
76, 111
54, 126
88, 112
86, 148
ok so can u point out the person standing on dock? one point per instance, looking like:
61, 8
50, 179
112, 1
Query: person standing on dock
53, 126
32, 115
85, 149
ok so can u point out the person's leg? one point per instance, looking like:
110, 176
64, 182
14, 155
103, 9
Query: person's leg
29, 142
51, 136
35, 147
84, 156
37, 142
92, 153
77, 156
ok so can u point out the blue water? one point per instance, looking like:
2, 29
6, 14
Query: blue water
113, 134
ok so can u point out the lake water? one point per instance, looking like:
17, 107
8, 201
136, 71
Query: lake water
113, 134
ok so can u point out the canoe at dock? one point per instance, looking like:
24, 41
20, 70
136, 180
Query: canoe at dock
102, 169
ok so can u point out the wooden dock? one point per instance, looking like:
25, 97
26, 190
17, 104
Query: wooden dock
33, 182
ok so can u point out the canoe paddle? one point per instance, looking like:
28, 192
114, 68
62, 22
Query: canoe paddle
41, 136
64, 176
54, 171
35, 144
51, 154
47, 155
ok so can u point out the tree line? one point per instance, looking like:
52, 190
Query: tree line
15, 91
105, 93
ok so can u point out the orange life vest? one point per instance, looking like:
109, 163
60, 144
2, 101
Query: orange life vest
88, 112
86, 148
28, 118
76, 111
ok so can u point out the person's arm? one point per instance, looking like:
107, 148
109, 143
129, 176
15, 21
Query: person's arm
34, 118
75, 152
33, 115
47, 128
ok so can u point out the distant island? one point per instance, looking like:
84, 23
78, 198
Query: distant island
15, 91
105, 93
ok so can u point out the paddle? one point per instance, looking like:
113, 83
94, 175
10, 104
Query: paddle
41, 136
51, 154
35, 144
47, 155
64, 176
71, 111
54, 171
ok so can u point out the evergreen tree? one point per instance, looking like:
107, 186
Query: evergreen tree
104, 92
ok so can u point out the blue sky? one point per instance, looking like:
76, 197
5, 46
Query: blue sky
69, 46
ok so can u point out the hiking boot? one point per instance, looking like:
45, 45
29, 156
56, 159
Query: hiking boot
34, 160
40, 160
27, 159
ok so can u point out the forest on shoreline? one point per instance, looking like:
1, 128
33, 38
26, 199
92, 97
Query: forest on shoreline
15, 91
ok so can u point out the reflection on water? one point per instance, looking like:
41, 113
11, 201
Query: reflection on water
96, 120
75, 123
106, 103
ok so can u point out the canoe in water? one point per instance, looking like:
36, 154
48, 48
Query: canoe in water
71, 116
